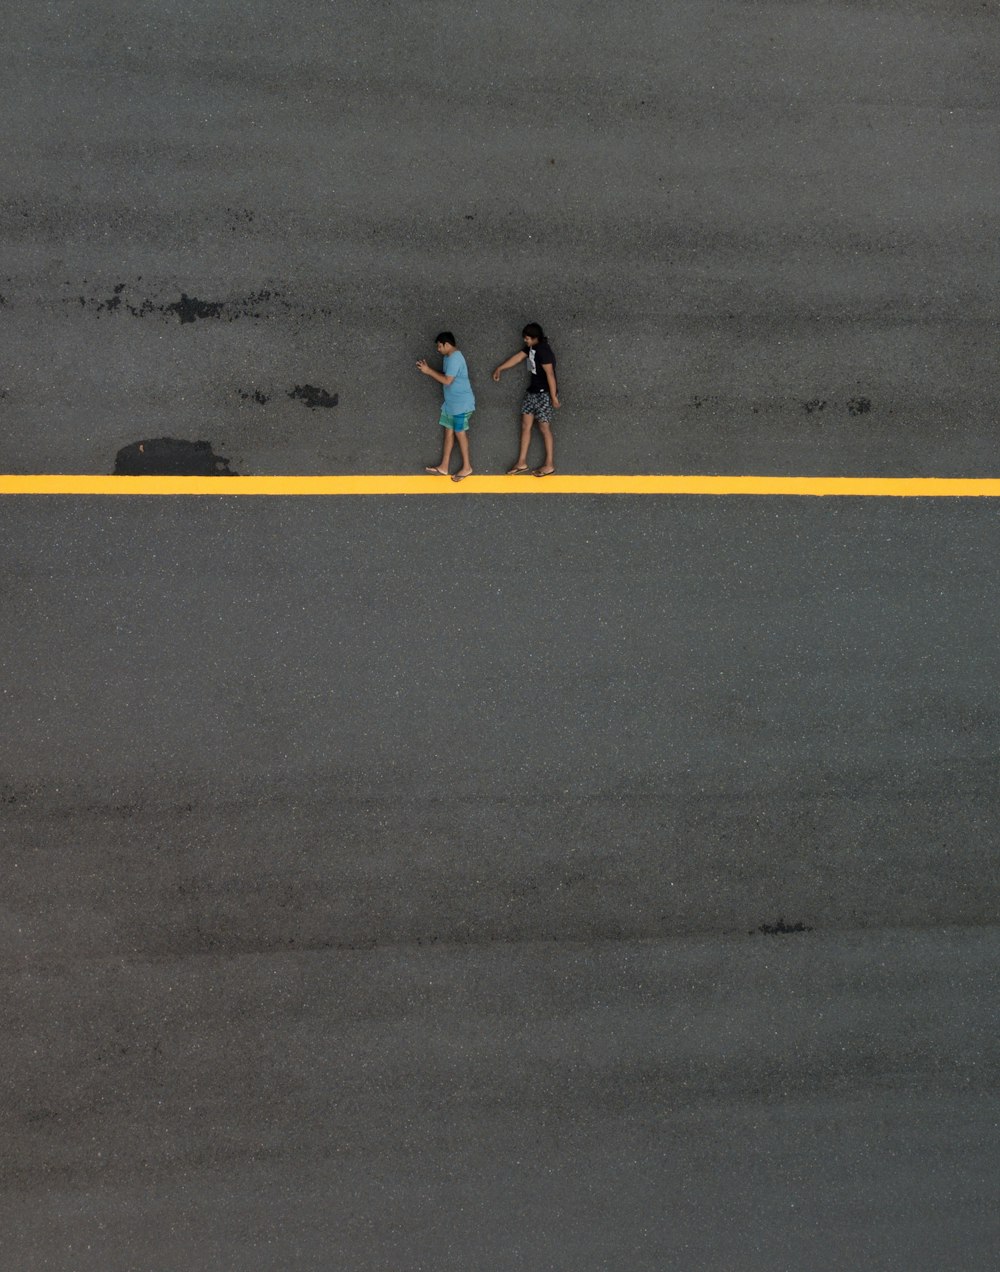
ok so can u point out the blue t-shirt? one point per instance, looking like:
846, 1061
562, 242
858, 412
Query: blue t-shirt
458, 396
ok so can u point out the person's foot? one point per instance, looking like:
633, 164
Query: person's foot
542, 472
442, 472
518, 468
462, 474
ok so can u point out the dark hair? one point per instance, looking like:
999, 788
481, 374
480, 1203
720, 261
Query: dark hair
534, 331
445, 337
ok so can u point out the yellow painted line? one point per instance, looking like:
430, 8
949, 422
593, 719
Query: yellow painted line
610, 484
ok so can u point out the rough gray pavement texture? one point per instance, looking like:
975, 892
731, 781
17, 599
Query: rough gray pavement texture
500, 884
623, 901
763, 236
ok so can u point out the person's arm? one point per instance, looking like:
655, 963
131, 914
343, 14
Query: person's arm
435, 375
511, 362
550, 375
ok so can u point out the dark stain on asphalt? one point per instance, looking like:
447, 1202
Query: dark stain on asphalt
146, 307
170, 457
859, 406
106, 305
255, 305
813, 405
35, 1117
239, 219
781, 928
188, 308
22, 796
255, 396
314, 397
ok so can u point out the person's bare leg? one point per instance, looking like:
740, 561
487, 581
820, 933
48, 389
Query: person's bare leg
522, 455
549, 466
463, 446
449, 441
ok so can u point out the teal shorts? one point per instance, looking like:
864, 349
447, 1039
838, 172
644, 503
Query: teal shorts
460, 423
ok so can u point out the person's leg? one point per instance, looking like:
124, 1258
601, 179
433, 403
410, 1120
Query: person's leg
522, 455
545, 428
449, 441
463, 445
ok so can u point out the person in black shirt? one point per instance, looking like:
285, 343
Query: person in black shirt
541, 397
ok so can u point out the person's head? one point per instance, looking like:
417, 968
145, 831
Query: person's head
532, 334
445, 341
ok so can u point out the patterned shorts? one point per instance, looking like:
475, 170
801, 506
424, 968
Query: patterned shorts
460, 423
539, 405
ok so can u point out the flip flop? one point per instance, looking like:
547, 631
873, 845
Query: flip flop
440, 471
461, 476
537, 472
512, 471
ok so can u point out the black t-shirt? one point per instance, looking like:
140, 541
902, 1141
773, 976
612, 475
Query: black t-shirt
537, 358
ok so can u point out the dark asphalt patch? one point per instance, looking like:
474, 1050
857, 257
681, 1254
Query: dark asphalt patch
256, 305
170, 457
781, 928
314, 397
188, 308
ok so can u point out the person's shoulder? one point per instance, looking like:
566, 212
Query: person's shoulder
546, 351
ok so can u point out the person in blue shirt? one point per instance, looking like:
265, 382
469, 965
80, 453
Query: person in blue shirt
459, 403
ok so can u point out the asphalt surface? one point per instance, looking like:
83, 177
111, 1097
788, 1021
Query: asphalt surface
550, 883
568, 883
762, 237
